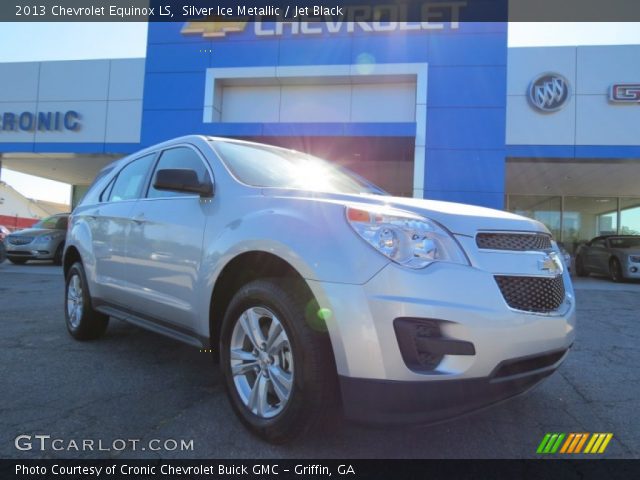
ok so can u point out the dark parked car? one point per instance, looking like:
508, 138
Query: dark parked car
615, 255
3, 252
43, 241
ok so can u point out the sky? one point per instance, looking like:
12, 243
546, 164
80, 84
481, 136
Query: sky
79, 41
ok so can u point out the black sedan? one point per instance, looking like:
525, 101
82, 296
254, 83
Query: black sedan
617, 256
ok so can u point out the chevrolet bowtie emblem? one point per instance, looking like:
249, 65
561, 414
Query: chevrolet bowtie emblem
212, 29
550, 263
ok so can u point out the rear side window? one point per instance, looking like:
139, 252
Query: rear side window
104, 196
129, 182
179, 157
91, 194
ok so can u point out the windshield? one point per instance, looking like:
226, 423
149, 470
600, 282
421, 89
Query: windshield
52, 223
625, 242
263, 166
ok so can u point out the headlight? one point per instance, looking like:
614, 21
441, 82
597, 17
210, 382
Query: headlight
44, 238
634, 259
407, 239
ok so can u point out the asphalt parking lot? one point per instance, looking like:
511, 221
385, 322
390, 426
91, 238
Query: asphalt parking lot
133, 384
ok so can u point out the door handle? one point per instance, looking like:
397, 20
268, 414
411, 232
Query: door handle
139, 219
94, 215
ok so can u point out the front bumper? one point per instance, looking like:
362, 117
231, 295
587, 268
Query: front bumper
30, 252
377, 382
387, 402
632, 271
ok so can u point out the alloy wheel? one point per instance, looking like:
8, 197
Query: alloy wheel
74, 301
261, 362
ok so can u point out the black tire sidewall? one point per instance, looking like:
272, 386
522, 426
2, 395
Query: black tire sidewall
76, 269
615, 270
92, 324
283, 426
580, 270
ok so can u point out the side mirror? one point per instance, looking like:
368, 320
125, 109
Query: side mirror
182, 180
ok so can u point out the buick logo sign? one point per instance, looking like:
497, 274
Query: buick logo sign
549, 92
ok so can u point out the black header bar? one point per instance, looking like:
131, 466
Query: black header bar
321, 469
320, 10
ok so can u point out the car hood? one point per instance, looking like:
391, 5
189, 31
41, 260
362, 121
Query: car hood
458, 218
34, 232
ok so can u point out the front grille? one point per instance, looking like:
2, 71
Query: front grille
527, 364
513, 241
532, 294
19, 240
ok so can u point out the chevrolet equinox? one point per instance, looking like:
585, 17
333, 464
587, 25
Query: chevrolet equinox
316, 290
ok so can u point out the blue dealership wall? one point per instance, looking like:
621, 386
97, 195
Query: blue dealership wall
466, 98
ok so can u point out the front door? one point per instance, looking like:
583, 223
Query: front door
164, 251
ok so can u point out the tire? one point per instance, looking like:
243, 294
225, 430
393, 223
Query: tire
580, 270
57, 257
83, 322
283, 391
18, 261
615, 270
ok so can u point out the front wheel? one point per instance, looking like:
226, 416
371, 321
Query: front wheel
615, 270
83, 322
279, 370
580, 270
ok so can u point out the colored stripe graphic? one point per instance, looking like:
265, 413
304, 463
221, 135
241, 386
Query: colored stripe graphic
592, 440
556, 445
604, 445
581, 443
598, 443
550, 443
568, 442
573, 443
543, 443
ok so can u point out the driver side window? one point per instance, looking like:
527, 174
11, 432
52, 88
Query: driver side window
179, 158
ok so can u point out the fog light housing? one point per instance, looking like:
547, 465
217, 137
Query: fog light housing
634, 269
423, 345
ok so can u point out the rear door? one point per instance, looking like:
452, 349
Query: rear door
110, 223
165, 244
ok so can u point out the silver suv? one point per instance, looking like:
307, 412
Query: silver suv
314, 288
